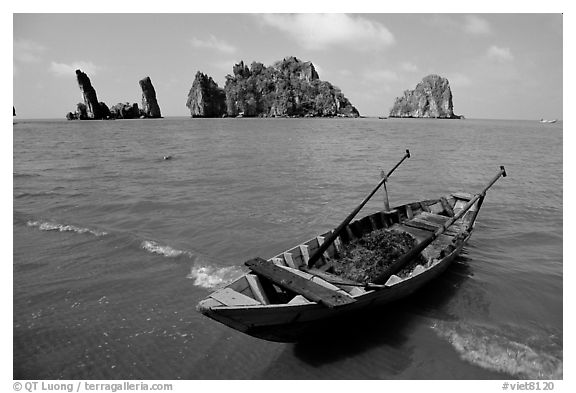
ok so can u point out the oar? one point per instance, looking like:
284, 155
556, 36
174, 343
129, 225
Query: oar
324, 246
397, 265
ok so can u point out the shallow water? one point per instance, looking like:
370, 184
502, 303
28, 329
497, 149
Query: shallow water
114, 246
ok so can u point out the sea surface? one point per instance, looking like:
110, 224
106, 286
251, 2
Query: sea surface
113, 245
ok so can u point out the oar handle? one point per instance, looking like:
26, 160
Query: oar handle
324, 246
407, 155
397, 265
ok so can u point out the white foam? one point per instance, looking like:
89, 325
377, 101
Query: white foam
212, 277
494, 349
50, 226
155, 248
204, 270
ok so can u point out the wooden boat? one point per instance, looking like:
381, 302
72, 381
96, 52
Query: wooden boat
286, 296
548, 121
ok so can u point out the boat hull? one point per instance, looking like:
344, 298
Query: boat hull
292, 321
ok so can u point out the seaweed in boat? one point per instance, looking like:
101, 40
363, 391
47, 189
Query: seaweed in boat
365, 258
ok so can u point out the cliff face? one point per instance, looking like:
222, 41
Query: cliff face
150, 107
90, 99
289, 88
431, 98
205, 98
292, 67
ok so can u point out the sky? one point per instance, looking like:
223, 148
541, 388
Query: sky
500, 66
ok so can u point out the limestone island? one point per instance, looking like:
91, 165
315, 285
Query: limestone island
288, 88
92, 109
432, 98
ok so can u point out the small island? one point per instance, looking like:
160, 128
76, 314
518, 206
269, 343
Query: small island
432, 98
92, 109
288, 88
205, 98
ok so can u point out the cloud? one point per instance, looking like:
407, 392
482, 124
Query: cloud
320, 31
213, 43
27, 51
62, 69
477, 26
499, 54
409, 67
470, 24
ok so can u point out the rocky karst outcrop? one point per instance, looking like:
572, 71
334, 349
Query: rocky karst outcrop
125, 111
289, 88
93, 110
150, 107
432, 98
205, 98
79, 114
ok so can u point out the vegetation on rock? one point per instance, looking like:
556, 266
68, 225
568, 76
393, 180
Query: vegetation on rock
125, 111
205, 98
432, 98
289, 88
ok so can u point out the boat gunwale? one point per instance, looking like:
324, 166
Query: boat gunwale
371, 293
366, 296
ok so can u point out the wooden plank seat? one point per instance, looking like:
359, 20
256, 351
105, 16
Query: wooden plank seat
422, 224
300, 285
419, 234
430, 226
432, 222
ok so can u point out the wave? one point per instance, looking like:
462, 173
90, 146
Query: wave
167, 251
50, 194
52, 226
35, 194
497, 350
205, 274
213, 277
16, 175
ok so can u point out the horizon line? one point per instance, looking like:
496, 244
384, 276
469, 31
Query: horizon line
312, 118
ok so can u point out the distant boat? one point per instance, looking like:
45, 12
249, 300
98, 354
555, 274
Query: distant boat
548, 121
382, 117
